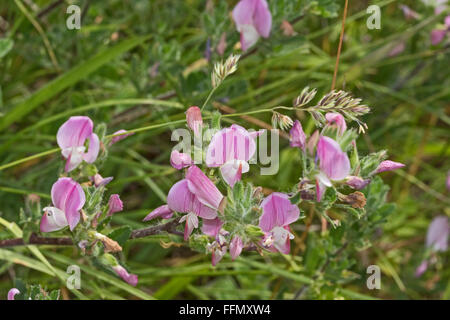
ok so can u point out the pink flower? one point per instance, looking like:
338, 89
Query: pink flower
334, 164
180, 160
297, 137
196, 195
12, 293
338, 120
129, 278
437, 235
436, 240
437, 35
162, 211
99, 181
121, 137
357, 182
230, 149
278, 214
236, 247
71, 138
114, 204
194, 119
388, 165
68, 198
253, 19
218, 252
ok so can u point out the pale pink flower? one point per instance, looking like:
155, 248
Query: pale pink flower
68, 198
277, 214
71, 138
195, 194
231, 149
253, 19
333, 163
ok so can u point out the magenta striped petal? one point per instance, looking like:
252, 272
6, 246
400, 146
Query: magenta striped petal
233, 143
203, 188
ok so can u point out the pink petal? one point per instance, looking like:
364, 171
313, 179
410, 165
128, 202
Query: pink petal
262, 18
129, 278
421, 268
121, 137
357, 182
99, 181
12, 293
114, 204
217, 255
93, 149
74, 132
180, 160
437, 235
236, 247
320, 189
437, 36
203, 188
180, 199
278, 211
191, 223
297, 137
203, 211
232, 171
162, 211
389, 165
243, 13
333, 161
249, 36
338, 120
211, 227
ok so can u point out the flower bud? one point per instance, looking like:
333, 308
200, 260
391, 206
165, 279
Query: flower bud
180, 160
114, 204
297, 137
194, 119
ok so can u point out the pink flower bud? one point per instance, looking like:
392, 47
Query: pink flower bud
114, 204
129, 278
194, 119
334, 118
162, 211
297, 137
180, 160
121, 137
357, 182
12, 293
389, 165
99, 181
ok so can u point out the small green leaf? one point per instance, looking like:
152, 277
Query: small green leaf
6, 45
121, 235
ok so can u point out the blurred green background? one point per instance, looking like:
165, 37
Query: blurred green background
155, 51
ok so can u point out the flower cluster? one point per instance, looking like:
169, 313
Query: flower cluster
232, 215
77, 196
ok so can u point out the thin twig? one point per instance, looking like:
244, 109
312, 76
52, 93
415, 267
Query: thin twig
341, 38
49, 8
169, 227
